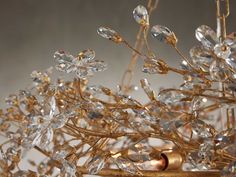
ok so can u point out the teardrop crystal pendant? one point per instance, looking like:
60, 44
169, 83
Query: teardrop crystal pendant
163, 34
110, 34
141, 16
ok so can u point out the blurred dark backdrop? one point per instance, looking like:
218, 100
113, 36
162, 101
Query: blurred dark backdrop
31, 30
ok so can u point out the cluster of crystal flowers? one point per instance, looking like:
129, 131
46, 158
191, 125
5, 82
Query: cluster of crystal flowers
81, 128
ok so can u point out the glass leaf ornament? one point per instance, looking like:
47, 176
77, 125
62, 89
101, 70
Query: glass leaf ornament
86, 55
206, 36
141, 16
163, 34
96, 165
218, 71
110, 34
201, 57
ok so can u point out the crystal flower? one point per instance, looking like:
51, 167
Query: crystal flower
84, 65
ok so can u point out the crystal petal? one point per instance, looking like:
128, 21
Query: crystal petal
206, 36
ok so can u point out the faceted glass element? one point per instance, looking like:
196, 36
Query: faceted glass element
206, 36
86, 55
229, 171
146, 87
39, 78
65, 62
68, 169
126, 165
96, 165
231, 61
153, 66
200, 128
201, 57
141, 16
59, 121
110, 34
163, 34
222, 51
225, 138
170, 97
218, 71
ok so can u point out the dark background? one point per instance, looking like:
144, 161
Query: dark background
32, 30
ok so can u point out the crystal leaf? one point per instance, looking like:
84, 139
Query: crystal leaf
146, 87
59, 155
230, 170
225, 138
43, 138
170, 97
59, 121
141, 16
126, 165
218, 71
53, 107
201, 56
68, 169
163, 34
39, 78
96, 165
222, 51
231, 61
65, 62
110, 34
206, 36
200, 128
231, 42
97, 66
86, 55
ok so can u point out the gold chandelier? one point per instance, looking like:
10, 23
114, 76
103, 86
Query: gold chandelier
78, 128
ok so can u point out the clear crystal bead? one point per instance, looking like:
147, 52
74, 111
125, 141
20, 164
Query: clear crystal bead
206, 36
218, 71
163, 34
222, 51
141, 16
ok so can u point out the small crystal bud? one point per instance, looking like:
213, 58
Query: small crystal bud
164, 34
141, 16
110, 34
